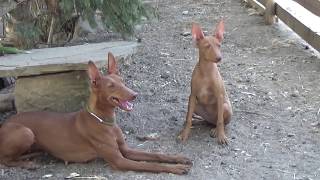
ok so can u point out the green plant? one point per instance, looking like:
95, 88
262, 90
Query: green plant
53, 16
120, 15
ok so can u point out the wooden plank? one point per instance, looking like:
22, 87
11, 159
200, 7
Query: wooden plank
263, 2
300, 20
257, 5
311, 5
1, 28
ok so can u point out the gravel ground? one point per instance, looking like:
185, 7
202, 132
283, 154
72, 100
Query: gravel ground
272, 79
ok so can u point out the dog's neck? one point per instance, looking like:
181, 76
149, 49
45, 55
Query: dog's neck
205, 65
105, 112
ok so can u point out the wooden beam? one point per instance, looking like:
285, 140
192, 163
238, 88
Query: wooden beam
1, 28
311, 5
263, 2
300, 20
257, 5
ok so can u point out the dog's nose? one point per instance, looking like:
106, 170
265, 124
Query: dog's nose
218, 59
134, 96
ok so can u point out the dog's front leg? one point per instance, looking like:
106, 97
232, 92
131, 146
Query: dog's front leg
186, 130
113, 156
219, 130
146, 156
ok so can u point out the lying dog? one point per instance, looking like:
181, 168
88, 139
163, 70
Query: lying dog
85, 135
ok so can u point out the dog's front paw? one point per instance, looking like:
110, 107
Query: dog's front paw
179, 169
183, 160
221, 137
184, 134
214, 132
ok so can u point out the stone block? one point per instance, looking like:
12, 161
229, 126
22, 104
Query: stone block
59, 92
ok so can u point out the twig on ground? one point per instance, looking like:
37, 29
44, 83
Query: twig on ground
253, 112
249, 93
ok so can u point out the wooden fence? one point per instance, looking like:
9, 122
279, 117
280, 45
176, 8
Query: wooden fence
302, 16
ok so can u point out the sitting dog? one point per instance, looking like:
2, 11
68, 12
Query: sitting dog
208, 98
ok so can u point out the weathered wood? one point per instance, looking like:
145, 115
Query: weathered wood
311, 5
60, 59
257, 5
263, 2
301, 21
1, 28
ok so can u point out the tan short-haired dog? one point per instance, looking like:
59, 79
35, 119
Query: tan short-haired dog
208, 97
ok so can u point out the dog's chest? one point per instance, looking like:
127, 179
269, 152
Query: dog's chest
206, 95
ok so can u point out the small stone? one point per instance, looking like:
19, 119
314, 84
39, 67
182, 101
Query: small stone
164, 54
315, 124
255, 127
236, 149
72, 175
47, 176
173, 118
295, 93
290, 135
293, 165
165, 75
185, 12
186, 33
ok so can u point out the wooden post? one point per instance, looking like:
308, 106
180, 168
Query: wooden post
1, 28
305, 23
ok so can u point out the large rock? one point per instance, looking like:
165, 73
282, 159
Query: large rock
61, 92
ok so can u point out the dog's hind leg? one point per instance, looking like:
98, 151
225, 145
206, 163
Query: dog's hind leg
15, 139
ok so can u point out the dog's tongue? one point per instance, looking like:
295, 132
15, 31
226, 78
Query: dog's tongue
126, 105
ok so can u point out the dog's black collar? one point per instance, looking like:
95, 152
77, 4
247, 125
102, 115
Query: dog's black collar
108, 121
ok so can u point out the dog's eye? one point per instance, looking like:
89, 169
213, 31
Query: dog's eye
110, 84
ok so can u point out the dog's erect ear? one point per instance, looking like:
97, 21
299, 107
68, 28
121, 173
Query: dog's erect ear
112, 64
219, 31
196, 32
93, 73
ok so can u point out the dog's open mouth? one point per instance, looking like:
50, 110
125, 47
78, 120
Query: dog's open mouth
123, 104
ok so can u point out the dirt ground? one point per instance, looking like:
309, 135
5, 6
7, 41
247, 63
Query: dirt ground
272, 79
